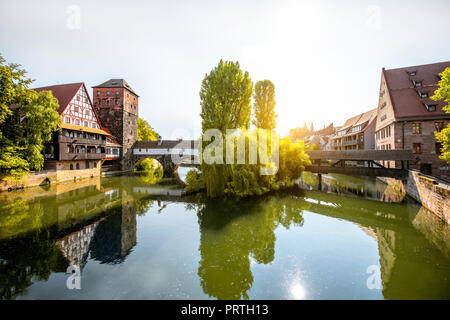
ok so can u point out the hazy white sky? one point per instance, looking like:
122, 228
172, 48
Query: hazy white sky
324, 57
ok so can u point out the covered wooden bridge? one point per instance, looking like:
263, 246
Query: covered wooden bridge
361, 162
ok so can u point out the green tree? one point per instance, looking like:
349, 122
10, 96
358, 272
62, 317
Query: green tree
264, 105
28, 119
225, 98
146, 132
443, 93
13, 85
150, 171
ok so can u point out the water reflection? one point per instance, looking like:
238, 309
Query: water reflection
43, 231
232, 232
366, 187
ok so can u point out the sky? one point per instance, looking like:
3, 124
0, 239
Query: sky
324, 57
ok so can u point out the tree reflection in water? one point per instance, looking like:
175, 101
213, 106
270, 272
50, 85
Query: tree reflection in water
233, 232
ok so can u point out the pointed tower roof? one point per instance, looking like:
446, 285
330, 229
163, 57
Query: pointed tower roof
116, 83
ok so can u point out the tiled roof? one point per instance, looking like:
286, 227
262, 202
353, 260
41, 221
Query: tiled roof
404, 96
115, 142
63, 92
116, 83
359, 119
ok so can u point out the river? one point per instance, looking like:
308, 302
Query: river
355, 238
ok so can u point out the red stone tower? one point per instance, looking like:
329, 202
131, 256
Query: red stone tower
117, 107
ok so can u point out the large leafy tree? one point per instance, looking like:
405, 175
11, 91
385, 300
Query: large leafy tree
443, 93
146, 132
226, 104
27, 122
225, 98
264, 105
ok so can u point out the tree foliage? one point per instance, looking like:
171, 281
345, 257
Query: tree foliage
27, 121
225, 101
146, 132
443, 93
264, 105
150, 171
225, 98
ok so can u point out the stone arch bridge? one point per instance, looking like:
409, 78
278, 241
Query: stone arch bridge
170, 153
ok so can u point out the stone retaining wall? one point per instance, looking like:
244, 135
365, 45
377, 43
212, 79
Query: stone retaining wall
431, 192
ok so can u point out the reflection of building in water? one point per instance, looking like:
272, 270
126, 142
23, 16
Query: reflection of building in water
77, 206
115, 236
404, 260
155, 191
434, 229
368, 188
59, 230
404, 253
75, 246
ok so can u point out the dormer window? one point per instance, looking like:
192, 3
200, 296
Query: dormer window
411, 73
417, 83
422, 94
430, 107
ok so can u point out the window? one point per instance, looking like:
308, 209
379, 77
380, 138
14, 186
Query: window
439, 125
87, 164
98, 92
71, 166
67, 120
422, 94
117, 93
78, 166
78, 98
430, 107
417, 83
77, 122
383, 105
417, 148
438, 148
86, 124
107, 93
417, 128
88, 112
383, 117
411, 73
93, 125
75, 108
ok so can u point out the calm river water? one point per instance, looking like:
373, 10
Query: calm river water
132, 240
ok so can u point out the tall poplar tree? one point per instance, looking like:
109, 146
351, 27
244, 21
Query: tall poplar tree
264, 105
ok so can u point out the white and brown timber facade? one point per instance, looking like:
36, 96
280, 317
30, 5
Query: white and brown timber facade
78, 149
